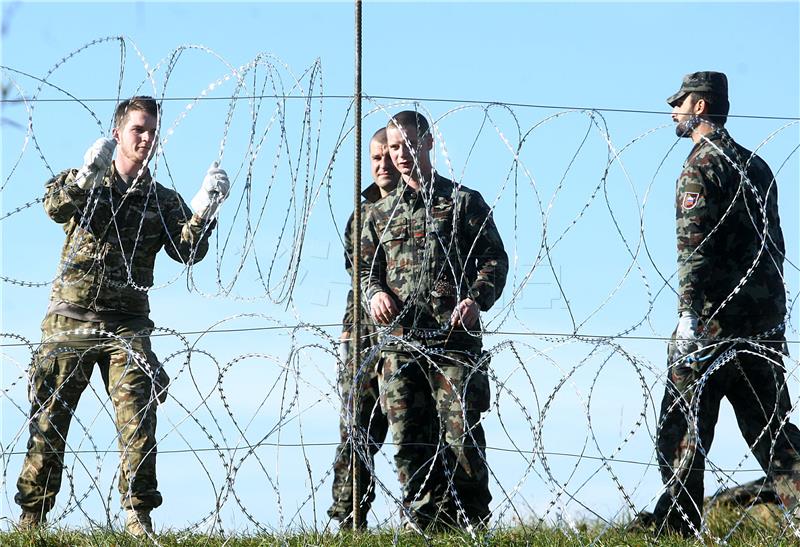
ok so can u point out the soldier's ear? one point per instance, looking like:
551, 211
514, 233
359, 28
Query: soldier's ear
427, 142
700, 107
115, 134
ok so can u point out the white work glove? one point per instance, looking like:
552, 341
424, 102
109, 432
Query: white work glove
212, 192
344, 351
686, 334
96, 162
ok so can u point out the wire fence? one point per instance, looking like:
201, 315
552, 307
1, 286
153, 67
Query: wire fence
248, 437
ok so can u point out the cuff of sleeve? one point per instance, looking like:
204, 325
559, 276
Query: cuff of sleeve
71, 186
198, 223
347, 322
372, 290
482, 297
688, 303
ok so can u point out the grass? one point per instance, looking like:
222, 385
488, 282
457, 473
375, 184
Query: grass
541, 538
758, 526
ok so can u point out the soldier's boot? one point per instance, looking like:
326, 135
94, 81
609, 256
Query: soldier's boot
643, 523
346, 524
31, 520
649, 523
138, 522
410, 525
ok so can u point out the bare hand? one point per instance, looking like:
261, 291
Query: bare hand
465, 314
384, 310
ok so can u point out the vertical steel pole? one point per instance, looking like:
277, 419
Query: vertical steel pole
354, 460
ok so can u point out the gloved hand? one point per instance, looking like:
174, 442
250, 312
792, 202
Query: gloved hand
212, 193
96, 162
344, 351
686, 334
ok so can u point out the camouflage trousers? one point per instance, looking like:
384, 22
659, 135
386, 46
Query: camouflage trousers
59, 375
742, 495
754, 383
434, 405
371, 426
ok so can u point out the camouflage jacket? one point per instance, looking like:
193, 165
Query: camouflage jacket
113, 238
730, 243
370, 195
430, 250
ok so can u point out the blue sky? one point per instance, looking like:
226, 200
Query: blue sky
615, 56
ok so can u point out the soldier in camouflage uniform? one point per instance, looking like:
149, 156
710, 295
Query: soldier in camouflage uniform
432, 259
370, 419
729, 341
116, 219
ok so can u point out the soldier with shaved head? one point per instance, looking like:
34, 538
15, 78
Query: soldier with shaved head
370, 421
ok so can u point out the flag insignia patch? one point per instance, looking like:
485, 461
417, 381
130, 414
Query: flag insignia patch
690, 199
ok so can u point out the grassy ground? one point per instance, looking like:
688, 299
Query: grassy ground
538, 539
759, 526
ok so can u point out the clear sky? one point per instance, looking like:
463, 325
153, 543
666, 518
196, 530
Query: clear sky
590, 246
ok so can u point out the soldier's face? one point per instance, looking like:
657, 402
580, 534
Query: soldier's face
383, 170
405, 147
683, 114
136, 137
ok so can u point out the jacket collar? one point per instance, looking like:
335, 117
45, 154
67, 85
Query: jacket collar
140, 185
442, 187
371, 193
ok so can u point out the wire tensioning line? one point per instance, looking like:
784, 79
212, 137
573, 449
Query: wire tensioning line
408, 99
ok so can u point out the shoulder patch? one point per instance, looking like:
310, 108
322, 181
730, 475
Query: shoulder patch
690, 199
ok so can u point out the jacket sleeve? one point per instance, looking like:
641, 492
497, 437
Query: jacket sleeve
186, 234
64, 199
697, 213
347, 319
372, 263
485, 247
348, 245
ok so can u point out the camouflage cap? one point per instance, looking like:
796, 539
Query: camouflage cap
706, 81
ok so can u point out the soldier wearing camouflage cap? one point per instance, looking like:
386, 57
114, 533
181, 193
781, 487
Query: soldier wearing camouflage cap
116, 219
714, 84
432, 260
729, 341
